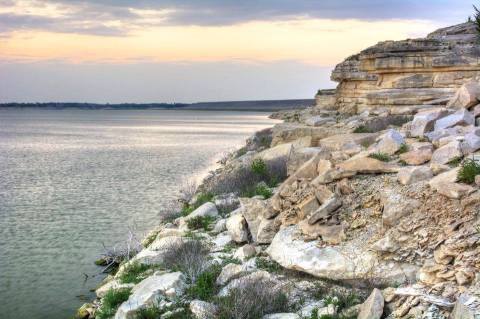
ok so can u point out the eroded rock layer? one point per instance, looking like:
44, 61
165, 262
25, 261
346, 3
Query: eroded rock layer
411, 74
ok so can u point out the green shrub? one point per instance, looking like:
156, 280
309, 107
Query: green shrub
380, 156
263, 190
455, 161
259, 167
204, 288
200, 222
111, 301
149, 313
268, 265
242, 151
469, 169
362, 129
179, 311
403, 149
132, 273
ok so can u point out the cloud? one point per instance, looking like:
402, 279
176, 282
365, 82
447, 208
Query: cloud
120, 17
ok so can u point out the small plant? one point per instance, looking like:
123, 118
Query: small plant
111, 301
268, 265
403, 149
252, 300
230, 260
454, 162
468, 170
476, 18
242, 151
205, 287
201, 199
263, 190
189, 257
200, 222
380, 156
402, 163
362, 129
259, 167
133, 272
149, 313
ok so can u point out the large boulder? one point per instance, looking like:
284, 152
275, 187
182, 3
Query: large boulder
389, 143
466, 96
150, 291
258, 214
423, 122
281, 151
396, 206
206, 210
348, 143
299, 156
411, 175
372, 308
447, 153
367, 165
462, 117
155, 253
202, 309
336, 263
466, 307
237, 228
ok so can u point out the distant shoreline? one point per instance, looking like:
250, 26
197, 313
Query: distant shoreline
262, 105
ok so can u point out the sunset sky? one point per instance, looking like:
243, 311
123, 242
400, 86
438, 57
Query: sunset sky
195, 50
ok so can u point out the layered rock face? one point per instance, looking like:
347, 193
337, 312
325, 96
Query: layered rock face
407, 75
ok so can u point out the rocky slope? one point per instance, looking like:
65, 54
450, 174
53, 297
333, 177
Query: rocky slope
372, 215
410, 74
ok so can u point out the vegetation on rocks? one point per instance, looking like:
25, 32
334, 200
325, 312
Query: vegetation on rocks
111, 301
468, 170
204, 287
381, 157
134, 273
189, 257
200, 222
252, 300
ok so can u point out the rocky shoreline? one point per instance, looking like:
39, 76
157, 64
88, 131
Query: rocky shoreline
357, 207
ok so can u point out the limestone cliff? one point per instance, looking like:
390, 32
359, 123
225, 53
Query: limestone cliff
407, 75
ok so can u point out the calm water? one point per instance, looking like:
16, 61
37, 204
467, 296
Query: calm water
71, 180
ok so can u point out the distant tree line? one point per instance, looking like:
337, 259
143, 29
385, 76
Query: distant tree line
94, 106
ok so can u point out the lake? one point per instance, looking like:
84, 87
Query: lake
74, 180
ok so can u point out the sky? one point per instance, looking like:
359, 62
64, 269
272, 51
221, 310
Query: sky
114, 51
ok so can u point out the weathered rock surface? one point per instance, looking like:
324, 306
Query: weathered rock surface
372, 308
408, 74
150, 291
237, 228
337, 263
410, 175
466, 96
460, 118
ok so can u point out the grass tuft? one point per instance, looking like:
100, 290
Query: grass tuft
381, 157
112, 300
200, 222
204, 288
403, 149
268, 265
134, 273
454, 162
362, 129
468, 170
